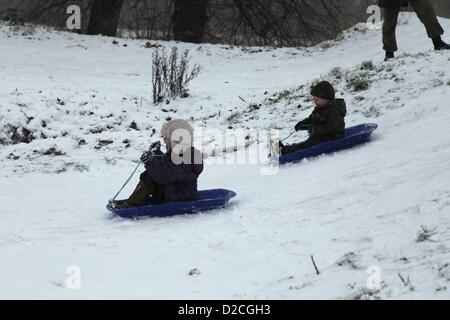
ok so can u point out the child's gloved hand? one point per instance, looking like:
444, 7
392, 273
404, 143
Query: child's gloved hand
155, 148
147, 157
155, 151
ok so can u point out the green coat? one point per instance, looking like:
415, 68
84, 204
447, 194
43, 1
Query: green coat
326, 123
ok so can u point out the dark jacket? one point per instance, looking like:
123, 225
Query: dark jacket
173, 182
326, 123
393, 3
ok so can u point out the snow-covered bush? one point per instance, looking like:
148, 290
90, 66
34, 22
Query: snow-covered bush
425, 234
12, 134
358, 82
233, 118
23, 30
171, 75
13, 17
367, 65
337, 73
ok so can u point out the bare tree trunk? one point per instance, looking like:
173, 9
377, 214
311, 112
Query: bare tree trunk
104, 17
189, 20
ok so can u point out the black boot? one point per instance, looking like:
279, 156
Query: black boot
139, 196
389, 55
439, 44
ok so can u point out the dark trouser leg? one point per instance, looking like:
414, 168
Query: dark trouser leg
157, 190
296, 147
389, 26
140, 195
425, 11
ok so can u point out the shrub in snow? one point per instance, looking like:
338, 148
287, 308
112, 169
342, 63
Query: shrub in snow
233, 118
171, 75
12, 134
367, 65
23, 30
349, 259
337, 73
425, 234
358, 82
53, 151
13, 17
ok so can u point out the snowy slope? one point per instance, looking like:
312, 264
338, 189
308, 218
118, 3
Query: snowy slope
352, 210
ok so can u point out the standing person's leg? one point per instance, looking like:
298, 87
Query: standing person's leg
389, 26
425, 11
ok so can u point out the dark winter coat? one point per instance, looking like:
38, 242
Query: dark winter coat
393, 3
173, 182
326, 123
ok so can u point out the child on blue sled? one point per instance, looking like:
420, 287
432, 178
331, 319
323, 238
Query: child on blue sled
325, 123
169, 176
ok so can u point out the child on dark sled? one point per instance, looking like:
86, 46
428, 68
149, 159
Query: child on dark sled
324, 124
170, 176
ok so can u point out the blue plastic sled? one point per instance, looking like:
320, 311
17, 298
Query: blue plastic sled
207, 200
353, 136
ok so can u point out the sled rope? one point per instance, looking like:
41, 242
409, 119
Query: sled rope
289, 136
126, 182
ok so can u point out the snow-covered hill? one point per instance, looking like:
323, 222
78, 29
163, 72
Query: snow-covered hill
377, 211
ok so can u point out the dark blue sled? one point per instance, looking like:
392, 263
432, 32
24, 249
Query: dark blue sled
207, 200
353, 136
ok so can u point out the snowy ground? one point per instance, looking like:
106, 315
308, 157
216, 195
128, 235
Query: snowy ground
356, 211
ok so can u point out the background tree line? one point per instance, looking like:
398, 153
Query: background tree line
238, 22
